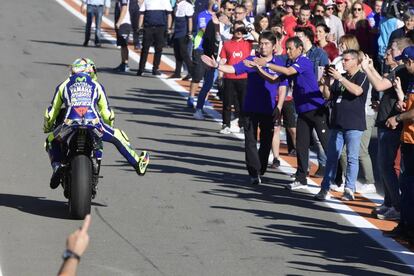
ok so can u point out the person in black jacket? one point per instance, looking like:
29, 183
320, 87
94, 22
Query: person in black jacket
211, 41
408, 19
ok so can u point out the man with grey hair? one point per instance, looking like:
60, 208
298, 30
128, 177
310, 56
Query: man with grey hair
348, 93
408, 18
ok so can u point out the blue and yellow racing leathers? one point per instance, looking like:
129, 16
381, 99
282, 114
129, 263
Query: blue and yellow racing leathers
84, 97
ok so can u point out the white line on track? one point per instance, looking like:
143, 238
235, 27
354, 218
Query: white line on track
343, 210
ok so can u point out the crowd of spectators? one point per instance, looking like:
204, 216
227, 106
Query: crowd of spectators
336, 69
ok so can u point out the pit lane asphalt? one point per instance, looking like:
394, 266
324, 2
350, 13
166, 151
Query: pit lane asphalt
192, 214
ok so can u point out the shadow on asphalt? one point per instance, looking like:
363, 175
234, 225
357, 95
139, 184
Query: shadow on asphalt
39, 206
80, 44
330, 242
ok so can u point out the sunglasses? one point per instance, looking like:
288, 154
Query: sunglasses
330, 8
357, 9
347, 59
230, 9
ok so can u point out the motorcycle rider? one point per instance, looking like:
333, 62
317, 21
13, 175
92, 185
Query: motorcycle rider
82, 94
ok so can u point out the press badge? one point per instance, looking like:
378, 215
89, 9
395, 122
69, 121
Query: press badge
339, 100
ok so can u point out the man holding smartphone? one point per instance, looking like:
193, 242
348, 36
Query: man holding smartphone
349, 94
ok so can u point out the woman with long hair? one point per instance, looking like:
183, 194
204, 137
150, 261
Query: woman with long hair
342, 9
358, 25
322, 31
346, 42
261, 23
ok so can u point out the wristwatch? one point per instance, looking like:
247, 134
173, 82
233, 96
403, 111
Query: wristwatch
398, 118
67, 254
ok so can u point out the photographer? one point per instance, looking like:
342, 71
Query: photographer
349, 94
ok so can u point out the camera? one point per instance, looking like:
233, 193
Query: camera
327, 67
395, 8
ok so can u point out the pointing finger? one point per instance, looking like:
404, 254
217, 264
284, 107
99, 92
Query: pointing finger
86, 224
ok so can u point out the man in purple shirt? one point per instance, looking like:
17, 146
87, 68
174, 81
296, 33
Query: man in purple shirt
309, 103
260, 106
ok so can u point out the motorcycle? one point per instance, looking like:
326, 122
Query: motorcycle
80, 140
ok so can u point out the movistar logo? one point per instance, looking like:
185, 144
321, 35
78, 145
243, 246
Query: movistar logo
80, 79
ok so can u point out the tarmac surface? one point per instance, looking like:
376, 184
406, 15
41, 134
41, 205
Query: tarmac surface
193, 213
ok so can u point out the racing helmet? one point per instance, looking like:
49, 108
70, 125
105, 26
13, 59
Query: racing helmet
84, 65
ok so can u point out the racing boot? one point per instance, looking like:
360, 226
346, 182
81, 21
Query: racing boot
56, 178
143, 162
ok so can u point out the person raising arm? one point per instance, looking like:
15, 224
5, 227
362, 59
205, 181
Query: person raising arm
261, 107
76, 244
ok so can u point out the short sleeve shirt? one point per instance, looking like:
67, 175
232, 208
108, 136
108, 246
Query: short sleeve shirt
183, 11
306, 93
202, 20
234, 52
261, 94
155, 12
348, 110
118, 6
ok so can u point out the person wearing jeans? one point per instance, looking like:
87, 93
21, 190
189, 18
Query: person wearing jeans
348, 93
94, 8
388, 139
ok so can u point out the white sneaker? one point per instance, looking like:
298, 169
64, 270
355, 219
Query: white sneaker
234, 122
235, 129
198, 114
366, 188
348, 195
391, 214
296, 185
335, 188
225, 130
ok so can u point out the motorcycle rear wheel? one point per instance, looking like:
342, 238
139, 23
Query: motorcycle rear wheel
80, 186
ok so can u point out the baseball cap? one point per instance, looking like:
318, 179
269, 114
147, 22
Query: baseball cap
408, 53
329, 3
340, 1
